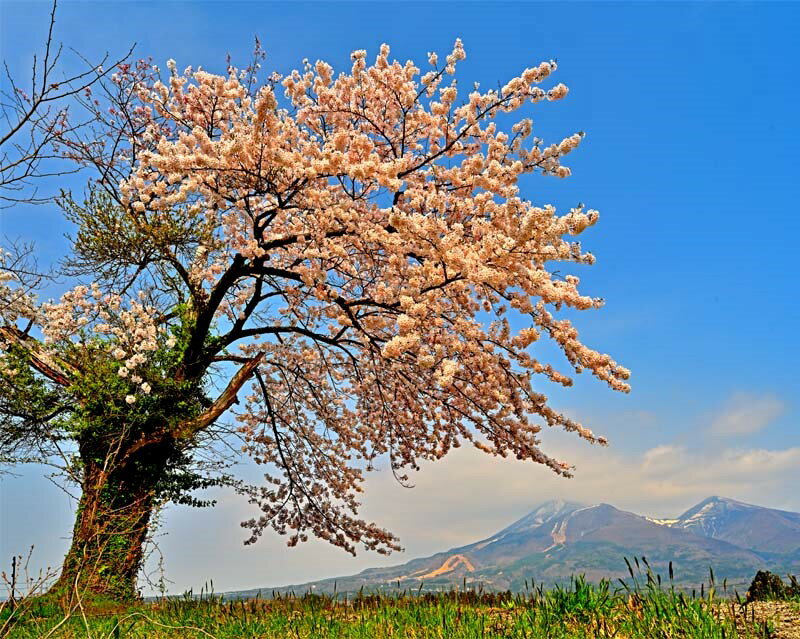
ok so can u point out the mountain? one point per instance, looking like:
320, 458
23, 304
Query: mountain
546, 512
754, 527
560, 539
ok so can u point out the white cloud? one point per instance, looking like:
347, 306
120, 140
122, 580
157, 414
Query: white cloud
661, 458
470, 495
746, 414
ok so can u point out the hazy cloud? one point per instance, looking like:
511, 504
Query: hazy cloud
470, 495
747, 414
470, 488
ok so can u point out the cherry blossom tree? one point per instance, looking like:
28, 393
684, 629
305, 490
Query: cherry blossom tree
329, 268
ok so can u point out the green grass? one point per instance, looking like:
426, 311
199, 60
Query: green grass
579, 610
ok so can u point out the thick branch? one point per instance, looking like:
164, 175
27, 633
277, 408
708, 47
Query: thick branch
192, 359
59, 372
225, 400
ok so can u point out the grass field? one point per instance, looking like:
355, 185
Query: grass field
578, 610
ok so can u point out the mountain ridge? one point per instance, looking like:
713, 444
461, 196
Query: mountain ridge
560, 538
750, 526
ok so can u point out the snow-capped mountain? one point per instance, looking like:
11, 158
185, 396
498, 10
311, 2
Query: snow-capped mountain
548, 511
754, 527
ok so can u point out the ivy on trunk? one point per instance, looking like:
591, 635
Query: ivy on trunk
112, 523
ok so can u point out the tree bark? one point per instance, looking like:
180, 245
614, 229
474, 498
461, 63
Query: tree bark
111, 526
126, 472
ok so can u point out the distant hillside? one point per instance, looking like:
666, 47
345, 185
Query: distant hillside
559, 539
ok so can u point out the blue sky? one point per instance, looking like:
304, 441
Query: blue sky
690, 156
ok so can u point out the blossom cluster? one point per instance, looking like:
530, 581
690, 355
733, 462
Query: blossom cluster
127, 328
15, 301
387, 215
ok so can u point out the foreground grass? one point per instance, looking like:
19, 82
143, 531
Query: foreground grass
580, 610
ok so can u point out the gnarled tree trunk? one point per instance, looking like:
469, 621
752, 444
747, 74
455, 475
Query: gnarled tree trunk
112, 523
127, 470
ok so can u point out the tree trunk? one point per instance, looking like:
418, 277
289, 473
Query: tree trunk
112, 523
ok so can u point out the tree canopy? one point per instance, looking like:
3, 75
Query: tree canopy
341, 262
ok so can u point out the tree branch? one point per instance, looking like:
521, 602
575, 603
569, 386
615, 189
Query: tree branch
225, 400
59, 372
